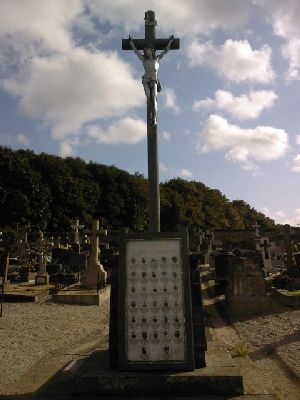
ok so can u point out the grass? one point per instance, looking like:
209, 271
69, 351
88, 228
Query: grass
240, 351
294, 293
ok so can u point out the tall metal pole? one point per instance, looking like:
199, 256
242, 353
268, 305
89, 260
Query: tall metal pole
153, 174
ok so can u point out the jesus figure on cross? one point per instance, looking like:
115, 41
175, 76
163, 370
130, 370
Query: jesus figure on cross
150, 78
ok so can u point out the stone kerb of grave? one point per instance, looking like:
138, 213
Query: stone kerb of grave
246, 292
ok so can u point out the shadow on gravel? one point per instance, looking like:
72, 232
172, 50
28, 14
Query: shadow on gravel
270, 349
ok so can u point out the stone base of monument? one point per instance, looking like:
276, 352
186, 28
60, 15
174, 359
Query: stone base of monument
93, 376
246, 306
286, 298
27, 292
42, 279
84, 297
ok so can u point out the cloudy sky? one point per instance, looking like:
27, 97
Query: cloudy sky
229, 110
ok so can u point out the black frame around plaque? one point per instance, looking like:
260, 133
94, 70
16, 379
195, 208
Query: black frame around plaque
186, 361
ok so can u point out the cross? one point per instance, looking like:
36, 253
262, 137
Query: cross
150, 37
76, 228
94, 238
154, 44
256, 227
265, 246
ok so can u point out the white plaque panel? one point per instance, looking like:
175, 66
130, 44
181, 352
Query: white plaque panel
155, 329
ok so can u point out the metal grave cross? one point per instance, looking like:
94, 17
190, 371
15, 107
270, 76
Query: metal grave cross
152, 44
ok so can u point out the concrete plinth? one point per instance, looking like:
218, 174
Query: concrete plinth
244, 306
93, 274
82, 297
92, 376
42, 279
19, 293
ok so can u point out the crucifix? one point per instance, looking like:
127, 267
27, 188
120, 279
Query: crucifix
151, 87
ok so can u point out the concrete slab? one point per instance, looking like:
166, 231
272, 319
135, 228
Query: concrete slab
82, 297
27, 292
92, 376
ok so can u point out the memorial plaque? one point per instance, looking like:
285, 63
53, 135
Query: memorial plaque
155, 303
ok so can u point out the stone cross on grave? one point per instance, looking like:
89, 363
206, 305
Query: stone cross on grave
94, 274
76, 228
41, 246
151, 86
256, 227
265, 246
76, 243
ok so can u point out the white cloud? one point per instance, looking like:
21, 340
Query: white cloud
291, 51
297, 139
162, 167
126, 131
295, 164
244, 146
241, 107
187, 17
286, 16
47, 24
170, 100
185, 173
68, 90
292, 217
23, 139
234, 60
166, 136
67, 147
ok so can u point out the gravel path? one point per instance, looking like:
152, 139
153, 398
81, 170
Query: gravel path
38, 339
270, 345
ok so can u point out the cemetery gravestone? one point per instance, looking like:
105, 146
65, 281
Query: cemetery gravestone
264, 246
246, 292
76, 243
94, 275
42, 277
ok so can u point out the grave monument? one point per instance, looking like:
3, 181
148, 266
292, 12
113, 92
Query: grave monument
152, 315
94, 275
42, 277
76, 244
246, 293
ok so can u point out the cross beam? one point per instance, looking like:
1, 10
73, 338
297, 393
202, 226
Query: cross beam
150, 37
157, 44
151, 42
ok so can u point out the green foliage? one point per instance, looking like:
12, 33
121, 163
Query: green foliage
49, 192
241, 350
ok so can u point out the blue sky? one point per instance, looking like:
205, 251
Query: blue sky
228, 113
